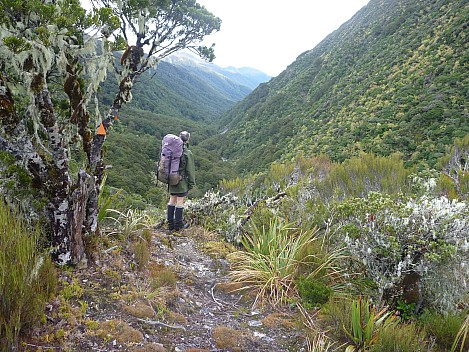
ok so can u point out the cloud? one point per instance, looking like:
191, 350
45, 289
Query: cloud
269, 35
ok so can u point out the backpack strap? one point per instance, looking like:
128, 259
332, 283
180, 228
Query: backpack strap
182, 165
169, 174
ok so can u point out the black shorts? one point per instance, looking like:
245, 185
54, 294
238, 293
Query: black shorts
180, 194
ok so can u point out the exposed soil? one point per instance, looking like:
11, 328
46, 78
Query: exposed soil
175, 299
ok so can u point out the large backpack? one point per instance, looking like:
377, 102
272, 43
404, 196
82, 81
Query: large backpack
170, 156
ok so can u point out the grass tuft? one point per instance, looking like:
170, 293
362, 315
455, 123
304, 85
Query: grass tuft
271, 261
27, 278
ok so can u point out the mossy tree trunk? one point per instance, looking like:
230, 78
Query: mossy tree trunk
49, 167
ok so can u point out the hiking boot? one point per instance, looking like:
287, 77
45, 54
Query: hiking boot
178, 223
170, 225
170, 217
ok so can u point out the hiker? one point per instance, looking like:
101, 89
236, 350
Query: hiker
179, 192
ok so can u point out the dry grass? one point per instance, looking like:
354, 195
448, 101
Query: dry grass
162, 276
218, 249
139, 310
271, 261
120, 331
278, 320
151, 347
227, 338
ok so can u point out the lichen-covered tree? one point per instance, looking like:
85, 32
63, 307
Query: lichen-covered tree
53, 56
454, 180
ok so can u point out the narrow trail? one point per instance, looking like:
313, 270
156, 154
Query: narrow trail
217, 316
179, 301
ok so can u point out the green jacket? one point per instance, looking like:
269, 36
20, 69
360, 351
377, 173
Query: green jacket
187, 170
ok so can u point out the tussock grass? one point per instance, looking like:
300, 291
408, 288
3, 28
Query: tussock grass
442, 327
272, 259
129, 224
142, 253
27, 278
403, 337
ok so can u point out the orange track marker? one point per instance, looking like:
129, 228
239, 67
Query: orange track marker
101, 130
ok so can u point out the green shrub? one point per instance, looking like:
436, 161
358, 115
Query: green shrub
401, 338
443, 327
27, 278
313, 292
406, 310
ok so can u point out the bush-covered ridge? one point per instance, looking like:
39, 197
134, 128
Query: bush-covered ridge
393, 78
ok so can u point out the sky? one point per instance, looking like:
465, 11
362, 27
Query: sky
268, 35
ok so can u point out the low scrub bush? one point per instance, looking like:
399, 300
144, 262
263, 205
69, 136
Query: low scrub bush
220, 212
313, 292
443, 327
406, 337
27, 278
367, 173
454, 180
397, 239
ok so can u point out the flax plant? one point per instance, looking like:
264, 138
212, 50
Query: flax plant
366, 323
130, 223
271, 261
461, 337
105, 200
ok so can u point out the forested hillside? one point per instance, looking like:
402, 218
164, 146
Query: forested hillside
183, 95
394, 78
184, 91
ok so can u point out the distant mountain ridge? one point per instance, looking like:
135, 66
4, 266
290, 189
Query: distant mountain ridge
393, 78
185, 86
244, 76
